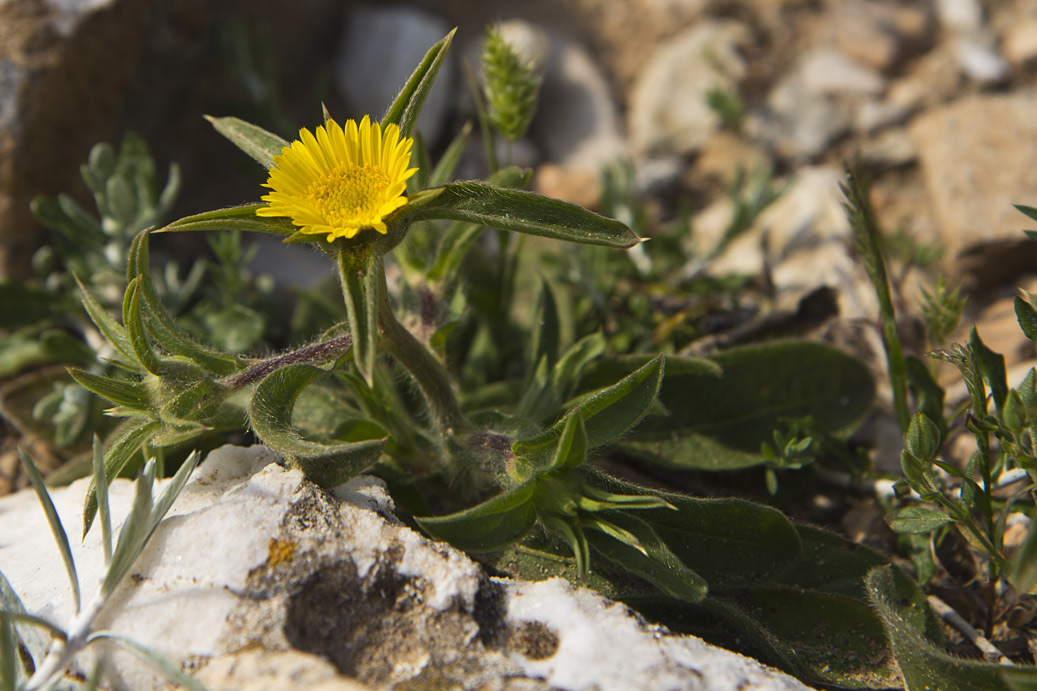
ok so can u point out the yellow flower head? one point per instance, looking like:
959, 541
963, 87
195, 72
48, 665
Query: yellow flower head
341, 180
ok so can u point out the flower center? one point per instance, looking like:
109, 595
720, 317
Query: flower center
348, 194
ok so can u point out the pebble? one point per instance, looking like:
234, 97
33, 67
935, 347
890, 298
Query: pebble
1020, 42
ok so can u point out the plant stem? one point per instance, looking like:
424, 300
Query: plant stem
427, 370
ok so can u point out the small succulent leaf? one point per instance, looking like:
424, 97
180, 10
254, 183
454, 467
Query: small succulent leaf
916, 638
493, 524
650, 558
444, 170
114, 332
134, 533
160, 323
729, 416
121, 202
1022, 568
270, 412
233, 218
991, 367
119, 391
261, 145
65, 217
134, 322
918, 520
573, 444
116, 457
56, 529
608, 414
929, 394
361, 275
406, 107
1027, 317
22, 305
156, 661
525, 212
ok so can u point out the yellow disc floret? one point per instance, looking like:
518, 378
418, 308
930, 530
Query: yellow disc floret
341, 179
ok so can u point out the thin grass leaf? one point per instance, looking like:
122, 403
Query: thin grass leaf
157, 661
101, 488
8, 654
135, 531
172, 491
37, 621
116, 458
54, 520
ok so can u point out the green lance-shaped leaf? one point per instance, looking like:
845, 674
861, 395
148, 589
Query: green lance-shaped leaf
361, 276
493, 524
916, 637
923, 438
134, 322
523, 212
113, 331
118, 455
58, 530
119, 391
233, 218
270, 412
609, 414
134, 530
918, 520
160, 323
991, 367
720, 421
406, 107
261, 145
1022, 569
1027, 317
650, 557
572, 445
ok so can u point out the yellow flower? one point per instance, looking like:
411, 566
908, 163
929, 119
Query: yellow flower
342, 180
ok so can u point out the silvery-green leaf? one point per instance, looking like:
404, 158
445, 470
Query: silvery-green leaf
118, 455
135, 531
54, 521
158, 662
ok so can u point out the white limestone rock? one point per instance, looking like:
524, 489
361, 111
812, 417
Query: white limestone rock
258, 579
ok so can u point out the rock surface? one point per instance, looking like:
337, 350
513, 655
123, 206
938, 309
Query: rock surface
258, 579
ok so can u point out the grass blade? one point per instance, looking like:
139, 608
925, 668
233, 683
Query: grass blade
55, 523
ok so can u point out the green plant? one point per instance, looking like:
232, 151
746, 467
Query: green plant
27, 661
485, 405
